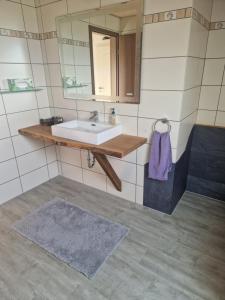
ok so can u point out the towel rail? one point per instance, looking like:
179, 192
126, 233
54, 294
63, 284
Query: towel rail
164, 121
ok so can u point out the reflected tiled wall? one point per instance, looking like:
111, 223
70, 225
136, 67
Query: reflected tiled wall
212, 99
24, 163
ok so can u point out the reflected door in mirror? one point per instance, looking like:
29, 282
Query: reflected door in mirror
104, 61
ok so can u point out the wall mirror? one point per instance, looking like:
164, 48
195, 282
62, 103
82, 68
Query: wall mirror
100, 53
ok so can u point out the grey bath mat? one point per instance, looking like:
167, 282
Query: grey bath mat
81, 239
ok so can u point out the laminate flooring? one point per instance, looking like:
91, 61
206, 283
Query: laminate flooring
176, 257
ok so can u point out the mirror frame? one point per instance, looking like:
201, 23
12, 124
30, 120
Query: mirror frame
139, 23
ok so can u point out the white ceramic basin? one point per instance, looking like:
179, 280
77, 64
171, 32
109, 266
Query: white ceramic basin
87, 132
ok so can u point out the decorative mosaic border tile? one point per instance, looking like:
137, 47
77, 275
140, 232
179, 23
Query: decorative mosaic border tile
165, 16
200, 19
19, 34
28, 35
48, 35
168, 15
177, 14
66, 41
217, 25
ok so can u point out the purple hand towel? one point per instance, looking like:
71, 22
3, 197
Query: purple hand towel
160, 162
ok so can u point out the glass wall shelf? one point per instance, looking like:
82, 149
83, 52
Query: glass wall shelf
20, 91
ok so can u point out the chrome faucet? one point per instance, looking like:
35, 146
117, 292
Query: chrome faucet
94, 116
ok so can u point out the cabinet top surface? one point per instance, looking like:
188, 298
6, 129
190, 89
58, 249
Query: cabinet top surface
119, 146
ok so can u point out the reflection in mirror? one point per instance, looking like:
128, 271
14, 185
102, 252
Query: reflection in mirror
100, 53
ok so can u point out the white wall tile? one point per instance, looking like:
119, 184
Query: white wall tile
2, 109
152, 6
166, 39
55, 74
60, 101
6, 149
30, 19
222, 99
95, 180
72, 172
128, 190
218, 12
131, 157
23, 144
129, 124
70, 156
156, 74
28, 2
10, 190
39, 75
206, 117
109, 2
220, 118
185, 128
13, 50
96, 168
4, 129
52, 51
194, 70
159, 104
34, 178
53, 169
209, 97
19, 102
145, 129
126, 171
31, 161
51, 154
45, 113
122, 108
204, 7
139, 195
198, 40
190, 101
213, 71
90, 106
143, 154
50, 12
35, 51
43, 97
140, 175
80, 5
216, 44
11, 15
8, 170
21, 120
67, 114
12, 71
85, 115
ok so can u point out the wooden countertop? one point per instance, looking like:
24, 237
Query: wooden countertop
118, 147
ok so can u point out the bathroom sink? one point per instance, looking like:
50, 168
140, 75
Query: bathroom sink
86, 131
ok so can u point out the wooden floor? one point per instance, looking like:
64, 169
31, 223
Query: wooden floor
176, 257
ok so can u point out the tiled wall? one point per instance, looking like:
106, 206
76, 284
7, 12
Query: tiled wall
170, 85
212, 99
174, 45
24, 163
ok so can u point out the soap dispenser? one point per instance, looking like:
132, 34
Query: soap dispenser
113, 117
